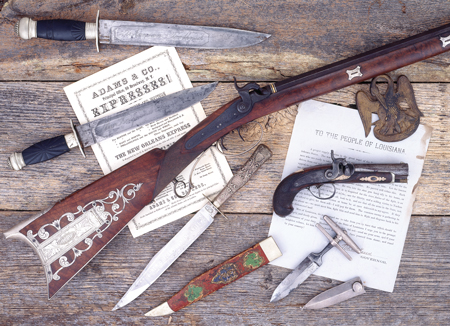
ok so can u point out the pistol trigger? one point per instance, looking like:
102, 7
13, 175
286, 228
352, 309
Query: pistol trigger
318, 191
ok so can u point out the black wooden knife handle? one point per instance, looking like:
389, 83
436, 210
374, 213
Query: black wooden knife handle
58, 29
61, 30
39, 152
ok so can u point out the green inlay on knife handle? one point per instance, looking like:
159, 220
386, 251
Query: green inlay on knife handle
225, 273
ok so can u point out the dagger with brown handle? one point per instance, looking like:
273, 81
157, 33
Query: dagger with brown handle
69, 234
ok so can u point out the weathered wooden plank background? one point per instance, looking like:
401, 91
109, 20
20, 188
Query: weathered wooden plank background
305, 35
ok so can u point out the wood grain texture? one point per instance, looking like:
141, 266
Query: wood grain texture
43, 112
305, 35
420, 296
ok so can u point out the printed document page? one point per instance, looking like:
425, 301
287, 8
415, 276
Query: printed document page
151, 74
376, 216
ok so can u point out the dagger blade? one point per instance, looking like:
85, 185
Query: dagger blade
139, 115
169, 253
294, 279
186, 36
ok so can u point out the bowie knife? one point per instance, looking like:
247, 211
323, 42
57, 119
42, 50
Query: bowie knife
98, 130
193, 229
138, 33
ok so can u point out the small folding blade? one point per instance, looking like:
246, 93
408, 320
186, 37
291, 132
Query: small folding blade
188, 36
345, 291
136, 116
170, 252
294, 279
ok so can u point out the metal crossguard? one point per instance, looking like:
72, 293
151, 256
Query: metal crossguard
340, 235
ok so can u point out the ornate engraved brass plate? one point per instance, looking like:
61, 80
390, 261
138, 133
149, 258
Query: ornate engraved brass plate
396, 121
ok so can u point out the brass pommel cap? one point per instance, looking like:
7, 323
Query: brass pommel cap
26, 28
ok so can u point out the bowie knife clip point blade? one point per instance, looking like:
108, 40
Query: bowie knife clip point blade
338, 294
106, 127
314, 260
138, 33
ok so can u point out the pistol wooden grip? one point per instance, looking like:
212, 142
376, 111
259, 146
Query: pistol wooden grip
289, 187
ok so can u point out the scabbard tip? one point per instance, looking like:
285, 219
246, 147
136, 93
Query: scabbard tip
161, 310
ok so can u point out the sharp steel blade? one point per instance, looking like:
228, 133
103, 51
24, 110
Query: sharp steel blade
294, 279
136, 116
170, 252
202, 37
335, 295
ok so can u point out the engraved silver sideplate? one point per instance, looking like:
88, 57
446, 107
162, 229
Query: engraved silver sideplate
445, 41
354, 73
149, 34
77, 236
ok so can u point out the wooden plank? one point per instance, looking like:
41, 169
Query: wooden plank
420, 296
42, 111
305, 35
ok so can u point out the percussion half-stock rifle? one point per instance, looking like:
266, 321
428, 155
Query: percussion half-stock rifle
69, 234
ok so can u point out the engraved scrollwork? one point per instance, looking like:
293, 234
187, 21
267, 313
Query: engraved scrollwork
86, 224
43, 234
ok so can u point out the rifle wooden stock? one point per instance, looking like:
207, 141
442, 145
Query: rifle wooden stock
290, 186
74, 230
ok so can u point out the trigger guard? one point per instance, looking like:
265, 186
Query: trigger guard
322, 198
186, 185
